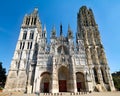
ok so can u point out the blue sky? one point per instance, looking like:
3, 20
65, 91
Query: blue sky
54, 12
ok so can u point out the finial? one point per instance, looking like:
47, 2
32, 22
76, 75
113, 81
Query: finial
44, 28
53, 28
62, 50
53, 33
69, 29
35, 11
70, 34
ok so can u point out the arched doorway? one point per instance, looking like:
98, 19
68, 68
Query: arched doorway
63, 79
45, 82
80, 81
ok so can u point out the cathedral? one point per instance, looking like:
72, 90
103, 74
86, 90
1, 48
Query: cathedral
63, 64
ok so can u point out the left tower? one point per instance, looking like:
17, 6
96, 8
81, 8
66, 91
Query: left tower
24, 60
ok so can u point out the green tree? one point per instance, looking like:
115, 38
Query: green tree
2, 75
116, 79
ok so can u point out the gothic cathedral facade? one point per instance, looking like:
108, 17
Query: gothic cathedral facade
62, 65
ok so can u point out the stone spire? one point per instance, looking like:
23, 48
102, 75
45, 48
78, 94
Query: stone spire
62, 50
69, 29
44, 29
61, 33
53, 33
70, 34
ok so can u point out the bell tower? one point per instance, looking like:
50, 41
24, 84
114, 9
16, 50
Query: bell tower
23, 63
87, 30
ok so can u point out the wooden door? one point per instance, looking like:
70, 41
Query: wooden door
62, 86
79, 86
46, 87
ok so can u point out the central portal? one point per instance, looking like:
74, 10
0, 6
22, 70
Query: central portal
63, 79
62, 86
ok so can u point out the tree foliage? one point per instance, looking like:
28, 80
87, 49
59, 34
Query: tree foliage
116, 79
2, 75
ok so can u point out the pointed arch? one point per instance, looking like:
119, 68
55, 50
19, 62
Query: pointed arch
31, 34
104, 75
24, 35
80, 80
96, 75
62, 49
63, 78
45, 82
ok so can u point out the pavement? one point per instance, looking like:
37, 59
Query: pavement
62, 94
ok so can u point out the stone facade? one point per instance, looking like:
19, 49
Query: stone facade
62, 65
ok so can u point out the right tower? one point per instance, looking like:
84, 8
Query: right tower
87, 30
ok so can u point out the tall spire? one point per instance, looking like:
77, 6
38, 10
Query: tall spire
53, 29
44, 31
69, 29
61, 30
53, 33
70, 34
44, 28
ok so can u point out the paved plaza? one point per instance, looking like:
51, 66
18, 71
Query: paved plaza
63, 94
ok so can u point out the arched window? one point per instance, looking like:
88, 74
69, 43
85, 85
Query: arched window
27, 20
104, 75
28, 45
24, 35
95, 75
31, 35
35, 21
32, 21
20, 45
23, 45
